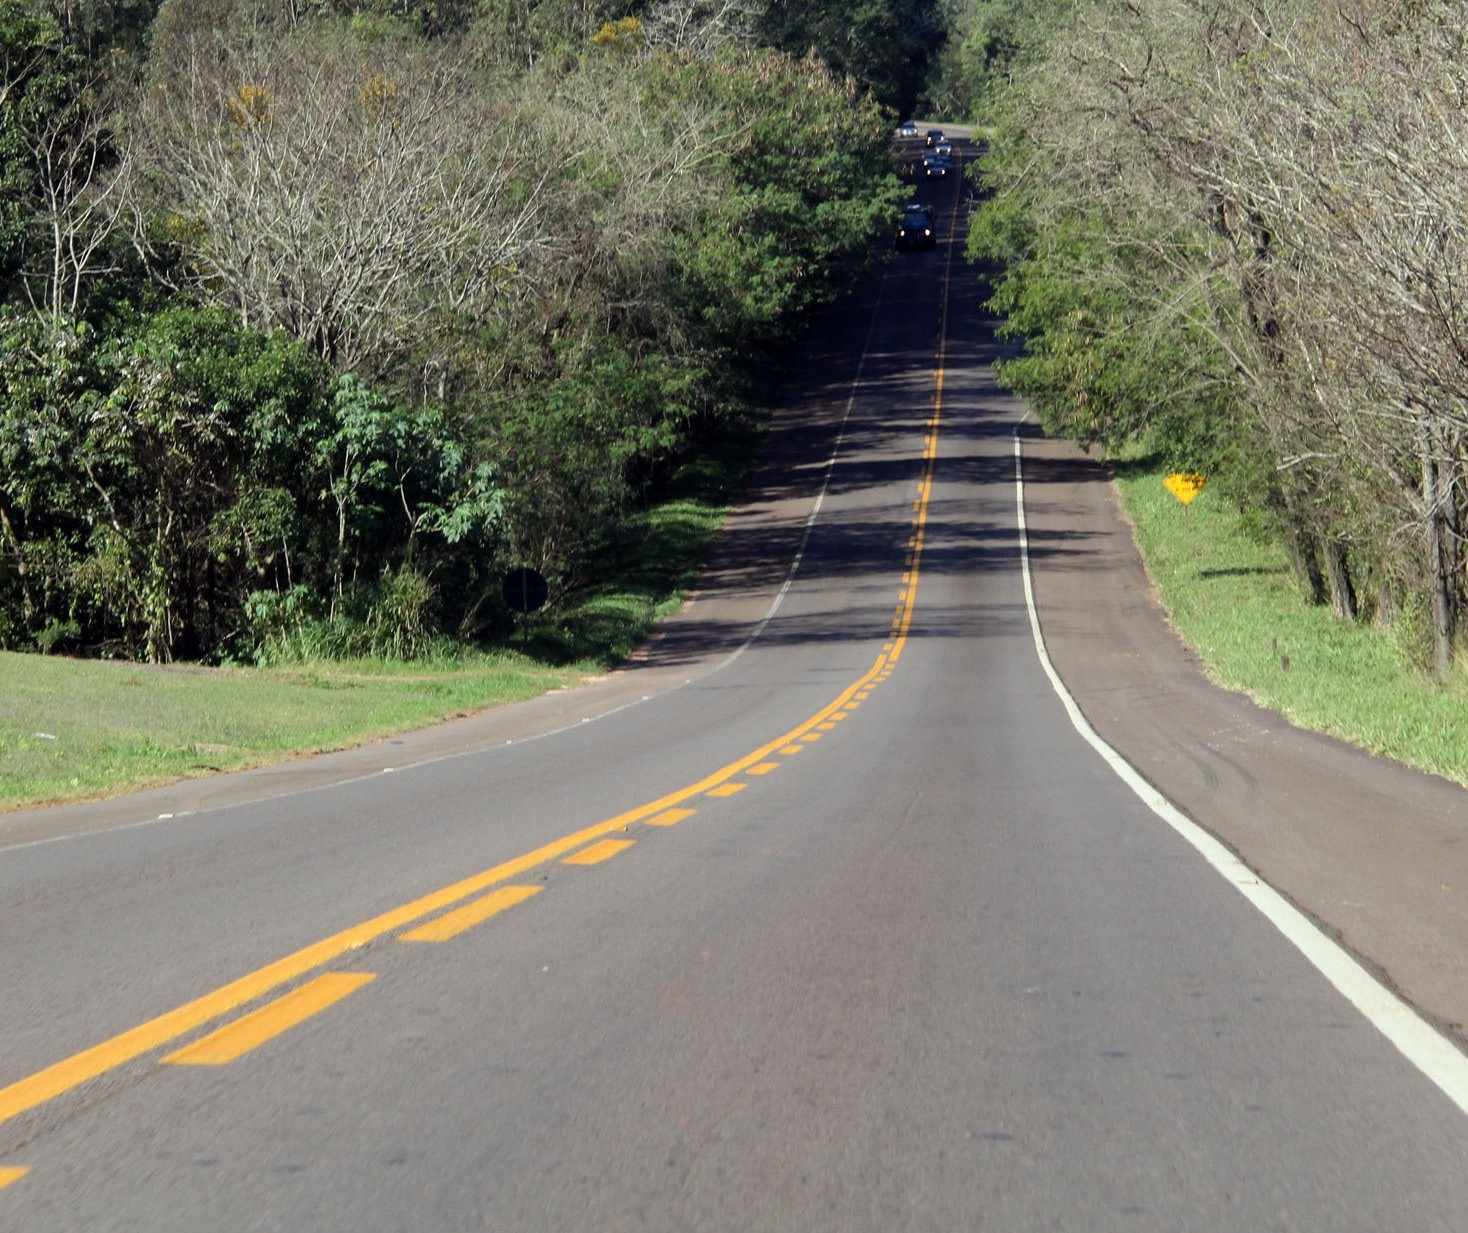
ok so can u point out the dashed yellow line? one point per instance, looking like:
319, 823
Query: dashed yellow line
11, 1173
597, 852
250, 1032
476, 912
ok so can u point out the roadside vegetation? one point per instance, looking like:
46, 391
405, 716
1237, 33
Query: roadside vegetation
76, 729
1232, 596
1232, 239
318, 317
315, 318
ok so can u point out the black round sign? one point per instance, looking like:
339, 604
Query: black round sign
525, 590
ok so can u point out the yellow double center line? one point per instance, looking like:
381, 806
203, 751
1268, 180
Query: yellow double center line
64, 1076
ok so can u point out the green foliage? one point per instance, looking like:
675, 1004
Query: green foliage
885, 45
102, 29
393, 618
177, 484
992, 44
573, 452
154, 482
808, 183
1113, 346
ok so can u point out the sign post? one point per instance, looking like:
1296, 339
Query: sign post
525, 591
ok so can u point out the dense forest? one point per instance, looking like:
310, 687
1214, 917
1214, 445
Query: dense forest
316, 313
1235, 232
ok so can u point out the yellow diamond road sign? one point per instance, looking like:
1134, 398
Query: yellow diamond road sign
1184, 485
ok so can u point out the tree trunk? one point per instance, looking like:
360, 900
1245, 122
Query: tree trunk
1437, 552
1338, 574
1304, 561
22, 570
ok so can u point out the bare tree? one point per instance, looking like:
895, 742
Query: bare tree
83, 183
698, 29
1323, 149
369, 200
1360, 166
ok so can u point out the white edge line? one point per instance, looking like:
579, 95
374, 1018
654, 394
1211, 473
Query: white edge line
1420, 1043
345, 781
815, 511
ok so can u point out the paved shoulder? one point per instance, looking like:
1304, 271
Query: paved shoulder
1373, 850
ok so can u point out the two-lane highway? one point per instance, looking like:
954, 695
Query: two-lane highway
822, 916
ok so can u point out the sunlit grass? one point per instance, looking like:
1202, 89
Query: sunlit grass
76, 729
80, 728
1235, 601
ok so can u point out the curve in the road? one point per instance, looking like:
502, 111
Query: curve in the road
1414, 1038
64, 1076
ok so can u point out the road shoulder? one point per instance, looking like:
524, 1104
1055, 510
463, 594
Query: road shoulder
1372, 850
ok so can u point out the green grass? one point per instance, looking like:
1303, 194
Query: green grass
72, 729
75, 729
653, 561
78, 729
1235, 602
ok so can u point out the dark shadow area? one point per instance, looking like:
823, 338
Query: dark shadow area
1132, 467
1246, 571
879, 407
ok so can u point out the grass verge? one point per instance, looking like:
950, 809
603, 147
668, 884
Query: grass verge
74, 729
78, 729
646, 570
1235, 602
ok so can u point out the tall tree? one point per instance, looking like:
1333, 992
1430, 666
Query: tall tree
360, 197
886, 46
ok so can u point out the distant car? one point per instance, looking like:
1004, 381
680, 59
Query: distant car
936, 168
908, 128
916, 230
935, 135
944, 147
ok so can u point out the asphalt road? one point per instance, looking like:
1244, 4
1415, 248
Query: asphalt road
822, 915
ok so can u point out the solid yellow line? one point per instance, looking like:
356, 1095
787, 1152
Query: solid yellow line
10, 1174
671, 817
726, 789
236, 1039
598, 852
63, 1076
476, 912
